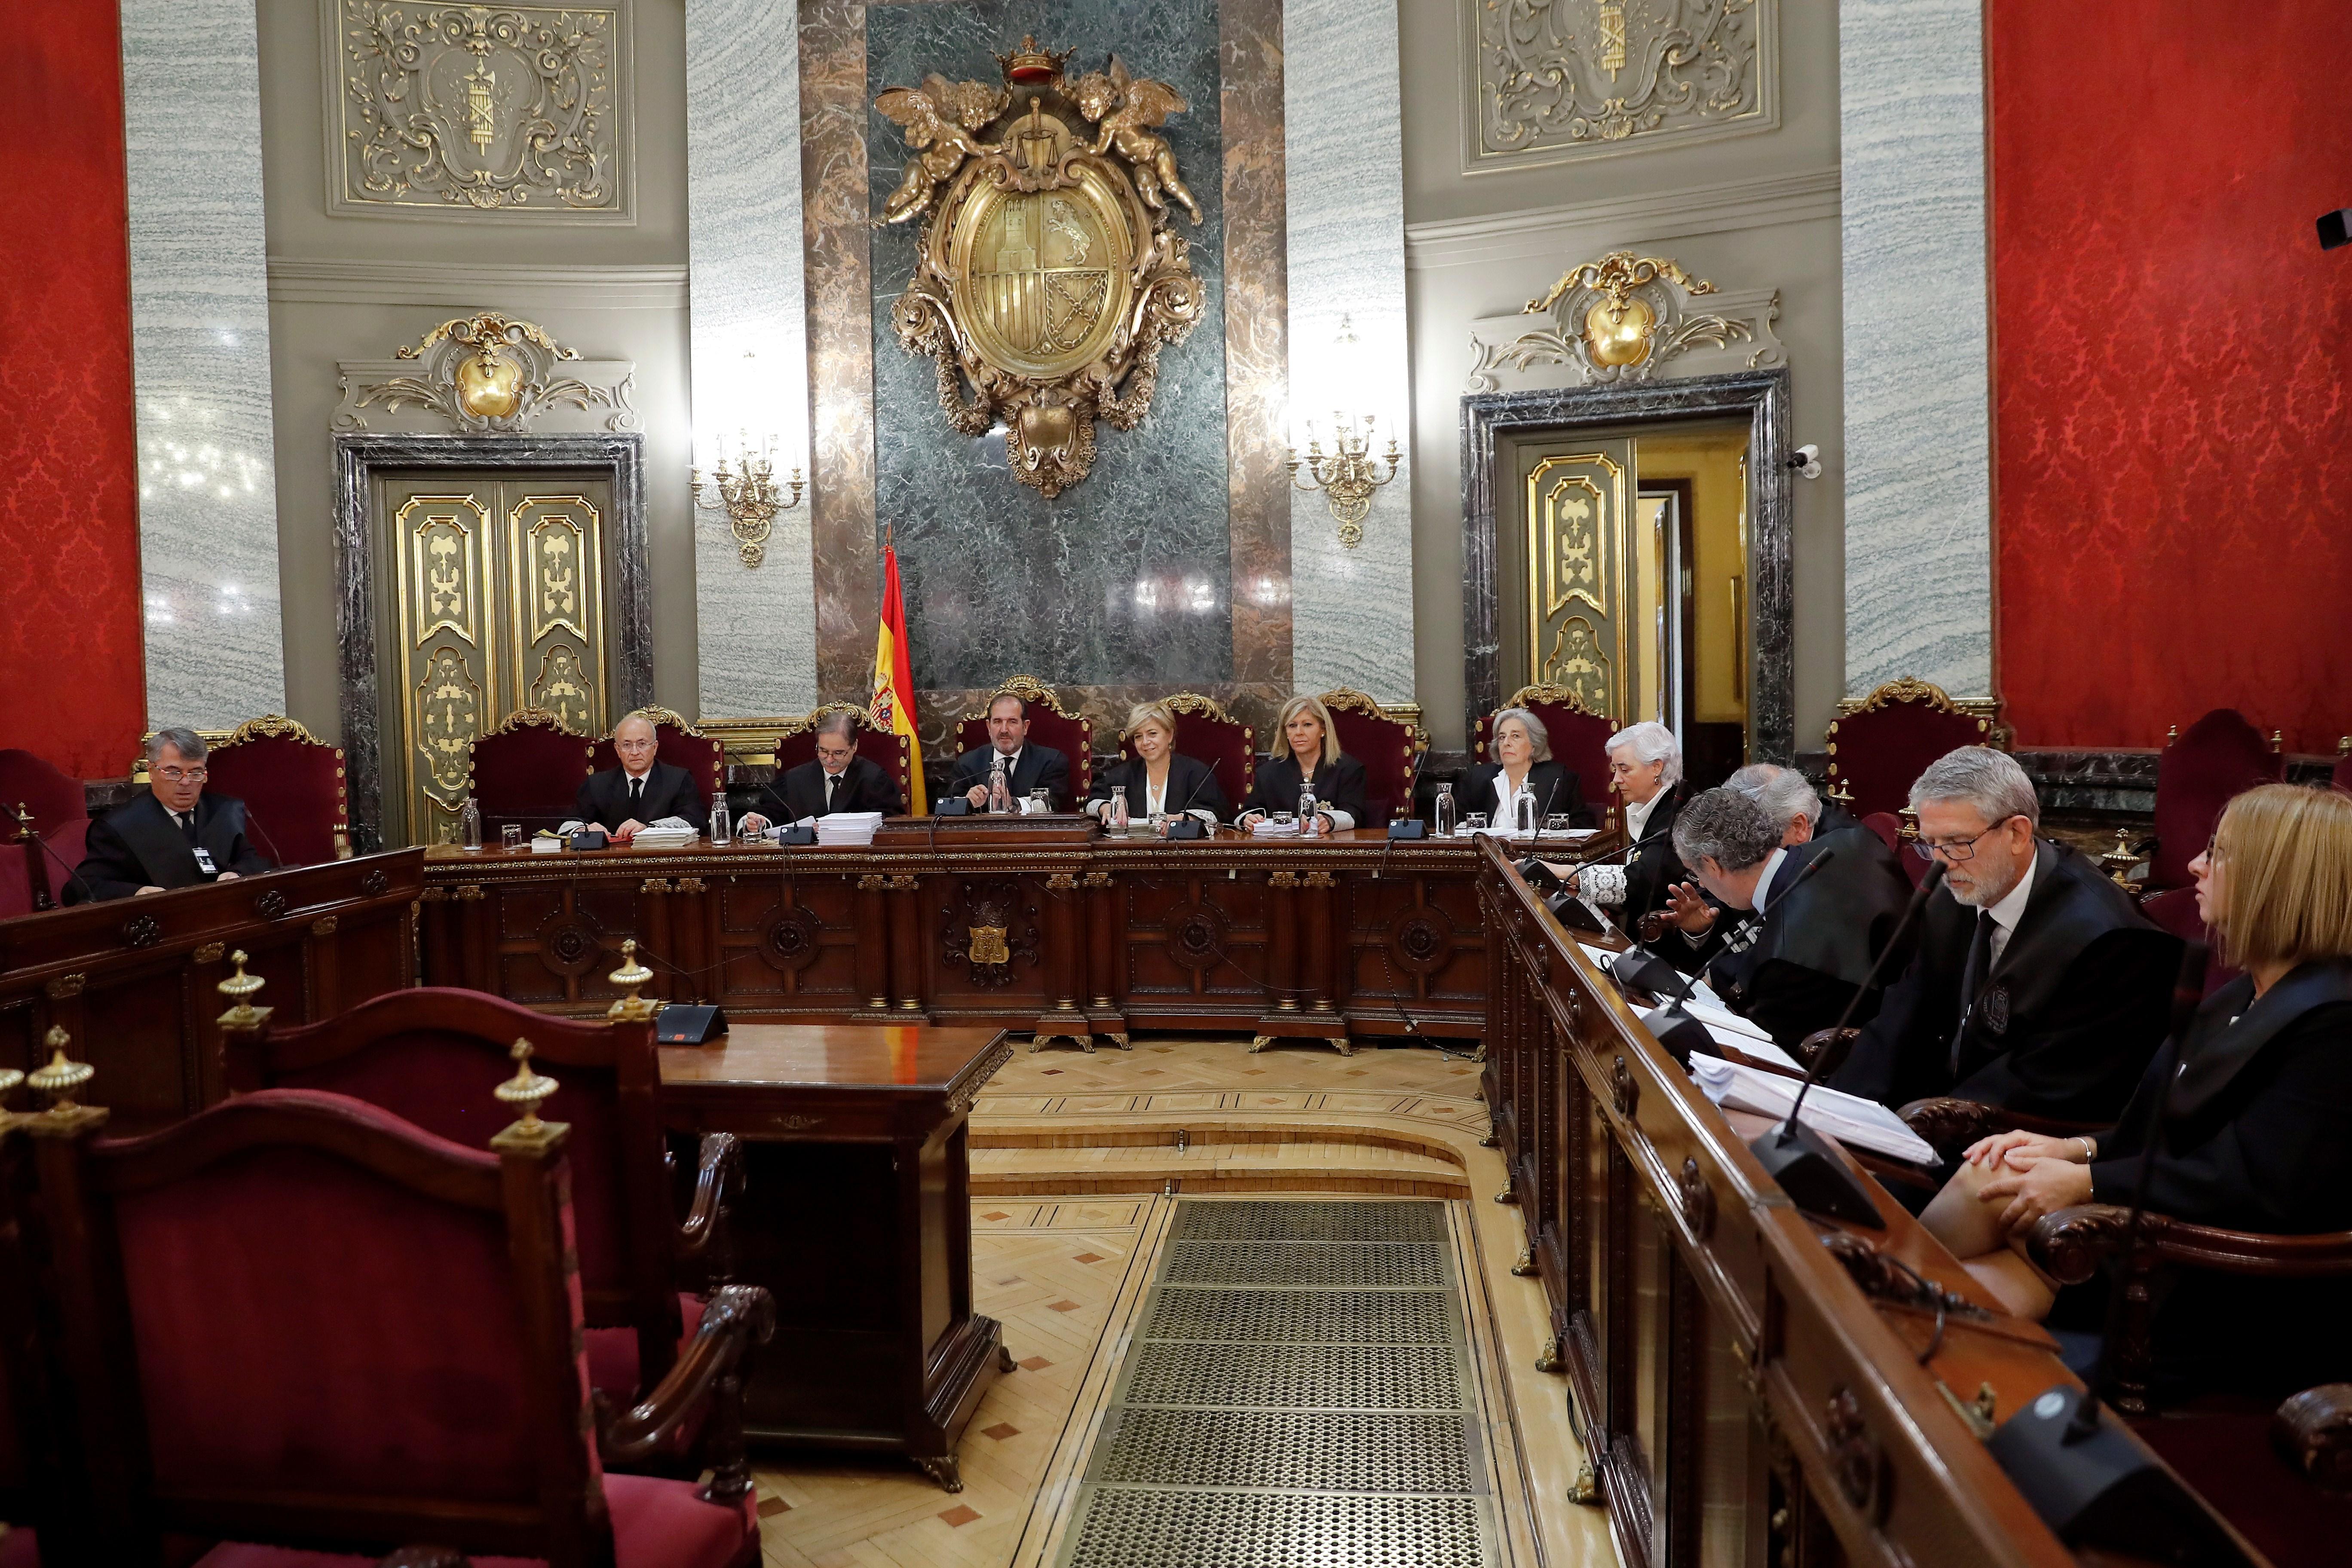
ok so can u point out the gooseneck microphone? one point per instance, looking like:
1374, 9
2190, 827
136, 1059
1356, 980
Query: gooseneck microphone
72, 875
277, 860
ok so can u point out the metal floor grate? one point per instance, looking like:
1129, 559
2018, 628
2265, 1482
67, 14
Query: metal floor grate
1297, 1396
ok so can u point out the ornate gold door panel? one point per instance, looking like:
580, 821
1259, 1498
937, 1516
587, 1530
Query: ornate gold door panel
500, 606
1577, 582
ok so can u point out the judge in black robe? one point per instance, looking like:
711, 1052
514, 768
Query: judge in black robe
1554, 785
1338, 790
1192, 788
141, 845
606, 799
863, 786
1033, 767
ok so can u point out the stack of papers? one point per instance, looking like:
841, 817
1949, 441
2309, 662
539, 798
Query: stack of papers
1864, 1123
1569, 835
669, 833
848, 828
1267, 827
1730, 1029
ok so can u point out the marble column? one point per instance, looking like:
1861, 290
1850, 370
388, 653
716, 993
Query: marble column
1351, 610
200, 355
749, 345
1919, 447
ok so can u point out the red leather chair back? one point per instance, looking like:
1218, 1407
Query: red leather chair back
60, 815
292, 786
1889, 829
2342, 777
527, 770
1879, 751
2215, 760
1206, 731
1050, 724
2175, 909
679, 743
1580, 740
1389, 748
886, 748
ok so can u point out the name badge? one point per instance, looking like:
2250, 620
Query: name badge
205, 863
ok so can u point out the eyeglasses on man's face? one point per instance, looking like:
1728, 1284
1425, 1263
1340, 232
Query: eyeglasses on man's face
1957, 849
183, 775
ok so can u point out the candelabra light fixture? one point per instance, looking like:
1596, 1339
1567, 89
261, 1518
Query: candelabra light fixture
749, 493
1347, 474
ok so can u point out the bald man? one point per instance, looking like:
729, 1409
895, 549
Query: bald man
642, 789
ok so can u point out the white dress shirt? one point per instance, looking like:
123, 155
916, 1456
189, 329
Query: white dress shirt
2008, 910
1504, 795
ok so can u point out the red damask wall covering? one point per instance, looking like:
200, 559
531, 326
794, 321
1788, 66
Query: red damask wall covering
72, 666
2173, 375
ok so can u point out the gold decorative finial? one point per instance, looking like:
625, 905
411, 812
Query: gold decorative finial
9, 1078
631, 976
24, 824
240, 989
2120, 861
525, 1090
2278, 741
62, 1076
2171, 733
1839, 792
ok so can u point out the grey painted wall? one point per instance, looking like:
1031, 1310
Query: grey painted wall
1750, 212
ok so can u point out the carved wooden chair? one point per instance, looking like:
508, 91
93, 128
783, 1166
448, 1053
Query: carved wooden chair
2341, 778
292, 786
1389, 748
526, 770
679, 743
43, 819
296, 1319
1050, 724
797, 745
29, 1486
2215, 760
1206, 731
432, 1055
1579, 739
1877, 752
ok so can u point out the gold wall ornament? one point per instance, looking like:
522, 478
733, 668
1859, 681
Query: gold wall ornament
1048, 276
749, 496
1627, 318
1347, 475
469, 111
487, 371
1617, 325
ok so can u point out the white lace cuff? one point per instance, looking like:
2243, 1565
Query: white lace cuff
1602, 884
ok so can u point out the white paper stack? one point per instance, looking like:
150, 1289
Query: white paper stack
1267, 827
848, 828
669, 833
1730, 1029
1864, 1123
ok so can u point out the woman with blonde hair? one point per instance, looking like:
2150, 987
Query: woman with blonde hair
1310, 757
1158, 778
2253, 1131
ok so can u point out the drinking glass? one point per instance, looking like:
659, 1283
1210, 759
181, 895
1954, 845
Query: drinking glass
1284, 819
1037, 801
1160, 825
1476, 821
1559, 824
511, 836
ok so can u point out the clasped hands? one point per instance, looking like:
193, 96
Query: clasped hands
224, 877
2037, 1174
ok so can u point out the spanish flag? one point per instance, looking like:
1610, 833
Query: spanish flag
894, 681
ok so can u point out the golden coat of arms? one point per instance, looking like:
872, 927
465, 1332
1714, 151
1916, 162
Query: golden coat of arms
1048, 276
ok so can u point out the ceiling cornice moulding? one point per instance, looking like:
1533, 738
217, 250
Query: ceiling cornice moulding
1652, 216
465, 285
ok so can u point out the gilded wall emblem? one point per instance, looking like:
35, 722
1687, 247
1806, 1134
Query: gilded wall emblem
1049, 275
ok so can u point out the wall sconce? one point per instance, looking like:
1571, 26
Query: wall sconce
748, 496
1347, 475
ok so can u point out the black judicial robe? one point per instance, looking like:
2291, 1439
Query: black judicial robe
1550, 782
865, 785
669, 791
138, 846
1655, 867
1039, 767
1817, 943
1192, 786
2258, 1136
2065, 1022
1339, 786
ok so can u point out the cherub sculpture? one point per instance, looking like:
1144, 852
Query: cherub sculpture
939, 117
1127, 108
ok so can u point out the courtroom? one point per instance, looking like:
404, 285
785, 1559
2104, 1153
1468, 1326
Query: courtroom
1239, 783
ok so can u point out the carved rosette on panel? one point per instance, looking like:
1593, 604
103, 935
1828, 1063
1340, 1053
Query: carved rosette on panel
1421, 940
458, 110
1551, 80
790, 940
988, 928
569, 943
1196, 935
1628, 318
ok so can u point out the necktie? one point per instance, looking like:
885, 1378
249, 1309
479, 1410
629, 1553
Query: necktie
637, 795
187, 821
830, 780
1972, 975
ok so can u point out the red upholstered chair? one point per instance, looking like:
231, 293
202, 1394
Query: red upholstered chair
2342, 777
1579, 739
296, 1319
1878, 750
432, 1055
1050, 724
679, 743
292, 786
2175, 909
528, 771
2216, 759
1889, 829
58, 811
1206, 731
1389, 748
888, 750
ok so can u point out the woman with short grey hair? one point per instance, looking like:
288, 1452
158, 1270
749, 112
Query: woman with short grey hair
1520, 763
1646, 771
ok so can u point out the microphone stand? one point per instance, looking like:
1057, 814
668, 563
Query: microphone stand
1800, 1158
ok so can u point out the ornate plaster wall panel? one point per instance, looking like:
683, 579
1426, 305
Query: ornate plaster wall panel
1547, 81
1726, 331
469, 111
1351, 610
1918, 444
749, 338
200, 350
486, 375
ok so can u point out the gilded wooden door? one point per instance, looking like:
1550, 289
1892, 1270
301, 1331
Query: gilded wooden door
1581, 627
498, 606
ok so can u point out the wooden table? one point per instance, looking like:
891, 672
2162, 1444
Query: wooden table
857, 1217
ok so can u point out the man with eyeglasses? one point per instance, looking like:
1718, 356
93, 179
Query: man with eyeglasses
175, 835
642, 789
2037, 985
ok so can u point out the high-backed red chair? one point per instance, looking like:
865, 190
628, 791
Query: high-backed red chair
1050, 724
1877, 752
1389, 748
292, 786
1206, 731
2175, 909
2342, 777
527, 770
1579, 739
2215, 760
295, 1318
432, 1055
57, 812
679, 743
886, 749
